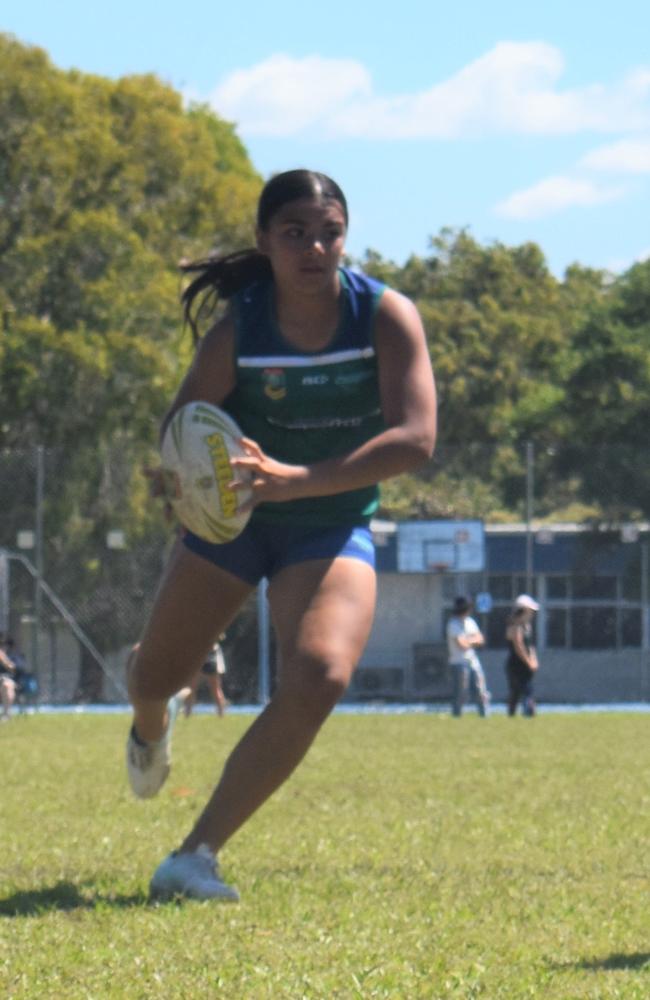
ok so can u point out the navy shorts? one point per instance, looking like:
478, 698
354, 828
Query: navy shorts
264, 548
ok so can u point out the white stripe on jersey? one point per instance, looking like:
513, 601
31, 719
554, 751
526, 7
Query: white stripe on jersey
302, 361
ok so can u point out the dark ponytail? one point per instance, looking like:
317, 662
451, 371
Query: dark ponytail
219, 278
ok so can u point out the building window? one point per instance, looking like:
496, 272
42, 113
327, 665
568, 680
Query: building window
557, 623
594, 588
495, 627
523, 587
593, 628
557, 588
631, 628
500, 587
631, 588
580, 612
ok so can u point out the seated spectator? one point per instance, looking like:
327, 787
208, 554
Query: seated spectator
26, 683
7, 683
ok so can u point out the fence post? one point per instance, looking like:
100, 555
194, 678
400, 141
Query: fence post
645, 638
38, 560
530, 472
4, 592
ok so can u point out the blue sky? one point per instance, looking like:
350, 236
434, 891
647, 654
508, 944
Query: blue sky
517, 121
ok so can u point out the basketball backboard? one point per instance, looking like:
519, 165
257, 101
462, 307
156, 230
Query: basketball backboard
440, 546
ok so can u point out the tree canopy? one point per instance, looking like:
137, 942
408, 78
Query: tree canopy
106, 184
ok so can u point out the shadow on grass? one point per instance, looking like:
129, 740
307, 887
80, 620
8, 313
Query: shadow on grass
64, 896
619, 960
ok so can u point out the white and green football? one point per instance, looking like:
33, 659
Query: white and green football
196, 450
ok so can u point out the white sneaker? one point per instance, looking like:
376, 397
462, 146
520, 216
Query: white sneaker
149, 763
194, 875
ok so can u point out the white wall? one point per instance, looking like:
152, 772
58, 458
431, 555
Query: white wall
408, 611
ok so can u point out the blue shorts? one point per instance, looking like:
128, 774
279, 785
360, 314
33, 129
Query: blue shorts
264, 548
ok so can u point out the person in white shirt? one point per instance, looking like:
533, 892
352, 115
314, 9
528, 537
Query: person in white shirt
463, 638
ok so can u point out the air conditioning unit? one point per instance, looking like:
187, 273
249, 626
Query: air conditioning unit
378, 682
431, 675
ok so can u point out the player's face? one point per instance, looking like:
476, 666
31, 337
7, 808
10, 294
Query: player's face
304, 242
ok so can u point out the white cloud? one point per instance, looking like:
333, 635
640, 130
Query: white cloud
618, 264
554, 194
629, 156
281, 95
513, 88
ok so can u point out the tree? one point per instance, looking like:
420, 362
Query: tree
499, 327
105, 185
607, 402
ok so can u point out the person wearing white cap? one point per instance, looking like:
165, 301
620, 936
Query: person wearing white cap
522, 663
524, 601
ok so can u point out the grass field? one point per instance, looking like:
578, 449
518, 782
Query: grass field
410, 856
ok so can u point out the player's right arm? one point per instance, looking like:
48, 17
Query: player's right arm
211, 376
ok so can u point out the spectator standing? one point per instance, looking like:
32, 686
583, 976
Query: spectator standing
522, 663
7, 682
213, 670
463, 638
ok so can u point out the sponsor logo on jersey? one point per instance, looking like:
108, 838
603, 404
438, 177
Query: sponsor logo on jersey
222, 472
353, 378
320, 423
275, 385
315, 379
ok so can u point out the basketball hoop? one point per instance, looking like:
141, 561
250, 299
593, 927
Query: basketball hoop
438, 567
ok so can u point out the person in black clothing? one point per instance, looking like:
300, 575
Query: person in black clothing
212, 672
26, 683
522, 663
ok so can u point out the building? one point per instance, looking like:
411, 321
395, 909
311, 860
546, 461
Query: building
592, 631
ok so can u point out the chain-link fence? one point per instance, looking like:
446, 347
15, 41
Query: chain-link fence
82, 548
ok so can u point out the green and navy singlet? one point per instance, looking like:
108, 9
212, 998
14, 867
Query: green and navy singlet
304, 407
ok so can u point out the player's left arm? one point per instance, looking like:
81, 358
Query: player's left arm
406, 385
408, 401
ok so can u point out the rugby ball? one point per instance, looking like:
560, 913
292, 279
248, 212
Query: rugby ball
196, 450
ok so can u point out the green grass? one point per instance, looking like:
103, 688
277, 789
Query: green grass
410, 856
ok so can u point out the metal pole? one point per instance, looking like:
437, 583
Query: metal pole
645, 636
38, 560
76, 629
263, 645
5, 591
530, 471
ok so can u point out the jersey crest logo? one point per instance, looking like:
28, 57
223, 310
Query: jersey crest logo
275, 386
